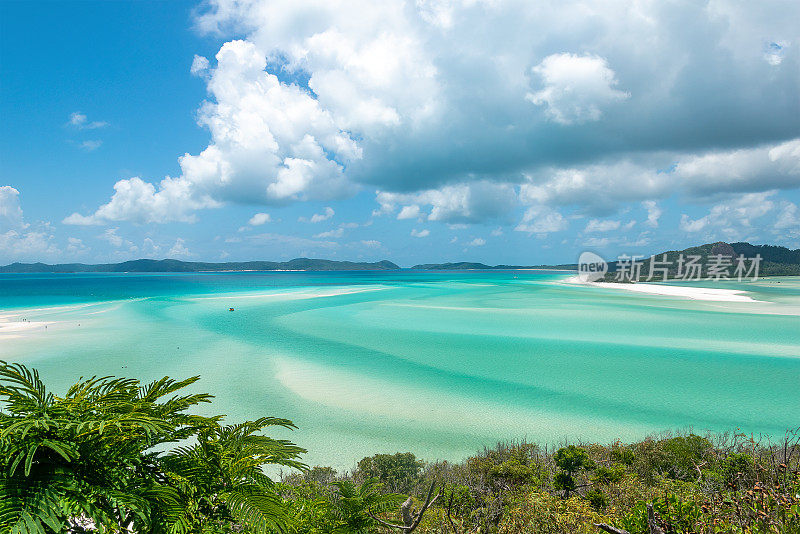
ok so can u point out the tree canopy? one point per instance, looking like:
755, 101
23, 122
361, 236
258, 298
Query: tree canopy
98, 459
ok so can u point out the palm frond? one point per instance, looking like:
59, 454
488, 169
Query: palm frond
261, 512
26, 390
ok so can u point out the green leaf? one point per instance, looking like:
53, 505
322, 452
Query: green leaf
66, 451
20, 455
29, 460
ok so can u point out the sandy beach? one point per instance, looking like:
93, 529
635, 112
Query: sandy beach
12, 326
694, 293
15, 323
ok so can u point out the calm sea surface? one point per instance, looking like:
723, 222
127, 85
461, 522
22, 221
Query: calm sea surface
439, 364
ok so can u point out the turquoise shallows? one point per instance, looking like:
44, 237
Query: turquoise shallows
436, 363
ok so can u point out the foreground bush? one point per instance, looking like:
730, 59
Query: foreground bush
113, 455
92, 460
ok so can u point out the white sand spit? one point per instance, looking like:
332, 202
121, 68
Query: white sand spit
689, 292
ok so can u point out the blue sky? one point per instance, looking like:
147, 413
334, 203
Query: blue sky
504, 132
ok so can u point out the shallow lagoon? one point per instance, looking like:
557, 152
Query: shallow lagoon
440, 364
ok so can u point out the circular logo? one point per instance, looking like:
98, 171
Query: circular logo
591, 267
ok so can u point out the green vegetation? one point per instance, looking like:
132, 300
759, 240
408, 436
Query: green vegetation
113, 455
775, 261
397, 472
98, 459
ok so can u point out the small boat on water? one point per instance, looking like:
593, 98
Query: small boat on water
230, 309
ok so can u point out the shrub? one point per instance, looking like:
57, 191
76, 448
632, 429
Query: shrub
542, 513
570, 460
622, 454
736, 465
608, 475
678, 458
397, 472
597, 499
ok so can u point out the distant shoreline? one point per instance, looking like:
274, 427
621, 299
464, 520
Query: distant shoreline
774, 261
212, 271
177, 266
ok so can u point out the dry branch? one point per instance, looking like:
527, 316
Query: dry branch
411, 518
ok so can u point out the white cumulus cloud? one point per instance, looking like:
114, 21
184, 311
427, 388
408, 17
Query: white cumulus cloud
20, 240
653, 212
200, 65
10, 209
733, 219
598, 226
141, 202
335, 233
575, 88
179, 249
81, 122
259, 218
326, 214
542, 220
456, 111
453, 204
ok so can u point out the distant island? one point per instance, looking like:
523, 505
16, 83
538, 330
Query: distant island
775, 261
177, 266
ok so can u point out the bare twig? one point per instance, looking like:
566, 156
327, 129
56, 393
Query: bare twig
609, 528
449, 516
411, 518
651, 521
698, 469
384, 523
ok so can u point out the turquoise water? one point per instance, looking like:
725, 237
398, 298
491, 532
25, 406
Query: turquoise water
440, 364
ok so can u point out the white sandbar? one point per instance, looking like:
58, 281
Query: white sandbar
694, 293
